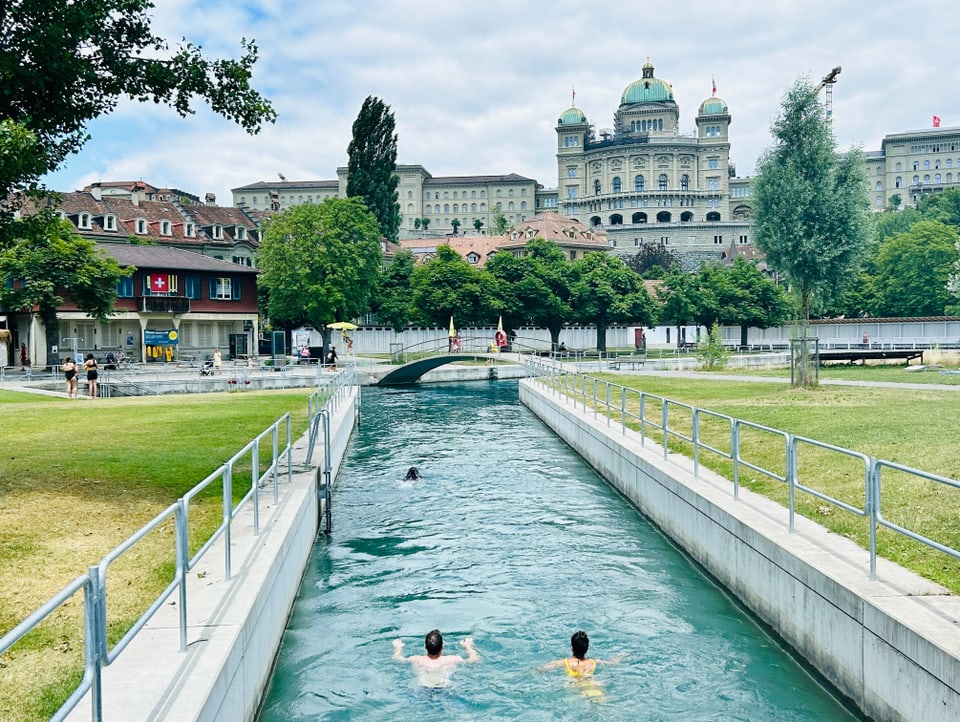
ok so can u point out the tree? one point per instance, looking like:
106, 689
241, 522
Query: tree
72, 62
49, 265
756, 302
477, 224
604, 291
652, 261
372, 164
499, 221
456, 225
416, 223
943, 207
391, 302
320, 263
447, 285
676, 296
913, 271
810, 206
425, 222
532, 289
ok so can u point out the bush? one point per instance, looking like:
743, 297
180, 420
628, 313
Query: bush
710, 350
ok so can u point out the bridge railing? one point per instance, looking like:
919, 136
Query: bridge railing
684, 428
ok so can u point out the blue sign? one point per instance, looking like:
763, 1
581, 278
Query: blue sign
161, 338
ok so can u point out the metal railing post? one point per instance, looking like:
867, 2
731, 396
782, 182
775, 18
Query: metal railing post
791, 477
255, 481
873, 511
695, 434
663, 414
183, 562
735, 454
227, 516
95, 641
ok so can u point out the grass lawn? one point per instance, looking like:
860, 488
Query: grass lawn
915, 428
79, 477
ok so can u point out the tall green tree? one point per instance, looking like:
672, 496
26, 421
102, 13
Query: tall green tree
913, 271
604, 292
320, 263
48, 265
392, 302
810, 206
533, 289
749, 299
499, 220
652, 261
372, 164
943, 207
477, 224
65, 63
447, 285
677, 297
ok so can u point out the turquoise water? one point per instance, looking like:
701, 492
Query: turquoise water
511, 539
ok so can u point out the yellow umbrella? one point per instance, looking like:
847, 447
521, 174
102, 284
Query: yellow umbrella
453, 330
344, 325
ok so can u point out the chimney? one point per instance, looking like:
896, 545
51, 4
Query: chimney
210, 199
95, 191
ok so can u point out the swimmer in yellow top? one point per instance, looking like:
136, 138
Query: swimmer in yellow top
580, 668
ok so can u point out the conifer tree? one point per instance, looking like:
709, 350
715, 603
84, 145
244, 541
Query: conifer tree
372, 164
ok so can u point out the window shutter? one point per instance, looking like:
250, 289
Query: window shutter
213, 287
235, 286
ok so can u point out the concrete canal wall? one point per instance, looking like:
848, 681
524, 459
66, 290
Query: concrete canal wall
891, 646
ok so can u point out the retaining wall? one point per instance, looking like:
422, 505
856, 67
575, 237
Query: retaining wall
891, 646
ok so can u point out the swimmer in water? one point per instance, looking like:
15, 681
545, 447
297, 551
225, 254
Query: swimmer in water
580, 668
434, 668
413, 474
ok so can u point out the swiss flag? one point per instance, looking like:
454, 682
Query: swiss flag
936, 121
158, 283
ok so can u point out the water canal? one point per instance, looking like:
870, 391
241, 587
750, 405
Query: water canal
511, 539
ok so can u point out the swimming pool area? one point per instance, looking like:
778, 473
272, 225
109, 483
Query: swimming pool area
511, 539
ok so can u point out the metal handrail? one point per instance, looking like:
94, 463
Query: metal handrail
97, 652
601, 395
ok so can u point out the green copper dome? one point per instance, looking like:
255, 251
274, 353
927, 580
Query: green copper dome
647, 89
571, 116
713, 106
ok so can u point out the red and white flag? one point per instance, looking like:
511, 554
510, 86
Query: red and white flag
936, 121
713, 80
158, 284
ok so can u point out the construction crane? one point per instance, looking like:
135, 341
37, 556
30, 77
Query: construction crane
828, 82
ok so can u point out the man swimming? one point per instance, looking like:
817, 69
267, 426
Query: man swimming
413, 474
434, 668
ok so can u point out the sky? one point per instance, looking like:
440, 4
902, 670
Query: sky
476, 88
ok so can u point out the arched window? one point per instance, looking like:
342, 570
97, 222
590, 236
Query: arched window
596, 187
686, 217
446, 207
616, 220
926, 165
662, 182
879, 186
899, 167
510, 206
936, 179
916, 179
523, 205
898, 182
639, 218
684, 182
409, 195
663, 217
473, 207
713, 216
456, 207
616, 184
638, 183
595, 221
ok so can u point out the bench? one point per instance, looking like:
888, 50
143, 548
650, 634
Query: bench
629, 361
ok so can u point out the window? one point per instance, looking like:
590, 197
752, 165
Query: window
571, 173
510, 193
898, 182
446, 207
596, 187
638, 183
217, 231
713, 163
926, 165
571, 141
916, 180
571, 192
713, 184
616, 184
242, 202
718, 240
662, 182
684, 182
192, 287
165, 228
85, 220
189, 230
125, 287
241, 233
510, 206
523, 192
523, 205
936, 179
899, 167
744, 240
110, 222
222, 288
141, 226
879, 200
456, 206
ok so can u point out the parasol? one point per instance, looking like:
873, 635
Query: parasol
453, 329
343, 325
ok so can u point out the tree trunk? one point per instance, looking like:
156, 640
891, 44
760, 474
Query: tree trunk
601, 337
48, 317
554, 336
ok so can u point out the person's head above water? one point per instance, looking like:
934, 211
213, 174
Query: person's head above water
413, 473
579, 644
433, 643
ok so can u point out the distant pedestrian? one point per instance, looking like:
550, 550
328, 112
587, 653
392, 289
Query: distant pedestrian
23, 354
70, 376
331, 359
90, 364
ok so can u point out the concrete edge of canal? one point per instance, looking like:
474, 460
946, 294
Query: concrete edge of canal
891, 646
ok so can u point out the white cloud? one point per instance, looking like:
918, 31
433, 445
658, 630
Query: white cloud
476, 88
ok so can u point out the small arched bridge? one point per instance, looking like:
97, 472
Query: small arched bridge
410, 373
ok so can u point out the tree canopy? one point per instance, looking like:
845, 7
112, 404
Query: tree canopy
391, 302
810, 202
913, 271
320, 262
372, 164
447, 285
64, 64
